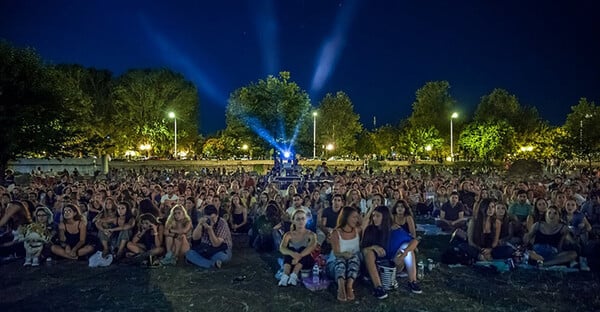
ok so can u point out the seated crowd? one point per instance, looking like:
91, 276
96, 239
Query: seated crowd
355, 221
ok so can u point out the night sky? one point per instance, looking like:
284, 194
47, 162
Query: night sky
378, 52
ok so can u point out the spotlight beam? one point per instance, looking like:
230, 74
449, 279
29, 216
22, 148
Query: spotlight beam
333, 46
184, 63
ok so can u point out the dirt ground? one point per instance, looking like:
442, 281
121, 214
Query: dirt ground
68, 286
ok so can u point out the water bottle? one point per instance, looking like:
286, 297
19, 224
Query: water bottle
430, 265
420, 269
315, 274
526, 257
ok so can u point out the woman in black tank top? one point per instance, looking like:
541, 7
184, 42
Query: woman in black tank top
72, 233
547, 238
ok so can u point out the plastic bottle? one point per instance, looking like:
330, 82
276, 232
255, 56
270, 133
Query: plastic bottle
315, 274
420, 269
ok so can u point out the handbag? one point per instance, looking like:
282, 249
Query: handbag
208, 250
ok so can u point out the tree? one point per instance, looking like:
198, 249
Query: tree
338, 123
501, 106
433, 106
143, 100
32, 111
273, 112
487, 141
420, 141
385, 139
583, 128
365, 144
88, 97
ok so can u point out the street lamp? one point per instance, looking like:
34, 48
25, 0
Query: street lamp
172, 115
329, 148
314, 135
454, 115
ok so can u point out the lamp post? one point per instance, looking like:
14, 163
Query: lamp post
172, 115
454, 115
314, 135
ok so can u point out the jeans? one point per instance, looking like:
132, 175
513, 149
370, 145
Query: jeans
195, 258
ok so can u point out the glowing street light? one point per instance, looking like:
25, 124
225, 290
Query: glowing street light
245, 147
146, 148
454, 115
172, 115
314, 135
428, 148
328, 148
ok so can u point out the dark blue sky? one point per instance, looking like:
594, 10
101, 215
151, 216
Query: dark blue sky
378, 52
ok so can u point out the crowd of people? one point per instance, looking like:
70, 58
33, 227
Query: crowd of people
358, 221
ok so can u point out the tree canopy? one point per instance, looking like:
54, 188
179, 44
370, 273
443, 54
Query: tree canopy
33, 114
338, 124
271, 112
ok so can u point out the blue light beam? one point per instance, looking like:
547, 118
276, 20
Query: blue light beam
184, 63
266, 30
333, 46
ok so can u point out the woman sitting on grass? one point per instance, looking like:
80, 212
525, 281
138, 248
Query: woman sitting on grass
177, 228
72, 235
547, 238
148, 240
297, 246
402, 217
375, 239
344, 261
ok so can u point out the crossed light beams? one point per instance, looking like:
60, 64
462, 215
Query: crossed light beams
184, 63
333, 46
267, 34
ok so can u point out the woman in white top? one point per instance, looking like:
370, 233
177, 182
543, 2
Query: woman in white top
344, 260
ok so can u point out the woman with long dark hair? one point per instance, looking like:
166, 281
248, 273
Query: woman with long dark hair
374, 242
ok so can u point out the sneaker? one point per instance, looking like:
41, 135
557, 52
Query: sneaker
583, 266
293, 279
36, 262
168, 259
414, 287
380, 293
284, 280
27, 262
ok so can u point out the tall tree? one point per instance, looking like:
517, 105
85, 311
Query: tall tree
273, 112
433, 106
583, 128
487, 141
501, 106
32, 111
420, 141
385, 139
143, 100
338, 123
88, 96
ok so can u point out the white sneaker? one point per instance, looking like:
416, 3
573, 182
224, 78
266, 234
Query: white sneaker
284, 280
35, 262
293, 279
583, 266
27, 262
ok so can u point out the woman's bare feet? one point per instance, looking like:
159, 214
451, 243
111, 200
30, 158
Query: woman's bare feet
349, 293
341, 296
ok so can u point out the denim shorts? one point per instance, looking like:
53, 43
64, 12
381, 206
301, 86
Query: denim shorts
548, 252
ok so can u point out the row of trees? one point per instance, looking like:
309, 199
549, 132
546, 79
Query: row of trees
500, 127
69, 110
